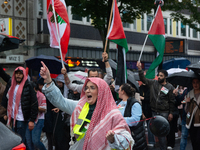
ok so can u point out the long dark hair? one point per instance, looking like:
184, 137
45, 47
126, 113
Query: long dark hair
128, 89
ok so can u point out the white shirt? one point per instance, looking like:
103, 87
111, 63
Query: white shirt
20, 116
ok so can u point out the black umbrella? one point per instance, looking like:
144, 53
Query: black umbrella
53, 63
195, 67
131, 75
8, 42
182, 78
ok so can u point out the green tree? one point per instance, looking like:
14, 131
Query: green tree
191, 7
99, 11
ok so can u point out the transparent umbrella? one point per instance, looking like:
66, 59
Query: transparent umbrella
175, 70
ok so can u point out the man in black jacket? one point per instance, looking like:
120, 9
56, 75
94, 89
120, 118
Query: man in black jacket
162, 99
21, 103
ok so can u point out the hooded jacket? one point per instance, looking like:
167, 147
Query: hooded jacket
162, 98
29, 103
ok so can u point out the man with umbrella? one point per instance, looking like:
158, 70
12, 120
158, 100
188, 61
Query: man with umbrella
161, 97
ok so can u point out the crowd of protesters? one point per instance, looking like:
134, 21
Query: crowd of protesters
96, 115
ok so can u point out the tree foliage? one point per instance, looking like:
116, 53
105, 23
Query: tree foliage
191, 7
99, 11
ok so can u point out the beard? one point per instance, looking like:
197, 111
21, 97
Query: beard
161, 80
18, 80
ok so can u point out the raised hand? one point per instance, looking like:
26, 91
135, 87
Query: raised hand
104, 56
63, 71
139, 65
45, 74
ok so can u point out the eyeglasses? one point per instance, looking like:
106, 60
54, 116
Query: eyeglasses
90, 88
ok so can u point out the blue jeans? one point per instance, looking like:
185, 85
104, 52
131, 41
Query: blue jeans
20, 128
162, 140
184, 135
151, 139
33, 137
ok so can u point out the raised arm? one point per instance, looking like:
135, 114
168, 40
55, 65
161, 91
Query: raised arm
141, 75
109, 75
53, 94
71, 86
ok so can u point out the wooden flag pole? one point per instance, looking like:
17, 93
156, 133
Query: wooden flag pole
111, 12
54, 13
147, 37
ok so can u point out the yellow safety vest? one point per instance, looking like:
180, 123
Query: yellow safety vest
81, 119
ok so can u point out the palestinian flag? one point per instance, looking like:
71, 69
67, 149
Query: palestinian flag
157, 35
116, 35
63, 25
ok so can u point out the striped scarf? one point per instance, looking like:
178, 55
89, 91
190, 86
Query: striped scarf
105, 117
18, 95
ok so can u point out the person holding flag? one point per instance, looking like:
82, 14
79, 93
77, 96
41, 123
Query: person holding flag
162, 99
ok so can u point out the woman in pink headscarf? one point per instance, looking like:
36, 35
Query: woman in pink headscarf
96, 123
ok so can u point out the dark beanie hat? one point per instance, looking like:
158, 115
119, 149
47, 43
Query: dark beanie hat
40, 81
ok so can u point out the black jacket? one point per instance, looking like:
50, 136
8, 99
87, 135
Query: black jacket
159, 101
137, 132
29, 102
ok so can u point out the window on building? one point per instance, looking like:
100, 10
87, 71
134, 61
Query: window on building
142, 22
134, 24
170, 26
189, 31
88, 19
194, 2
194, 32
76, 17
165, 23
177, 28
183, 29
126, 25
149, 21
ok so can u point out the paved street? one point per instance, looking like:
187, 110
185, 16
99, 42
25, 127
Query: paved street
177, 145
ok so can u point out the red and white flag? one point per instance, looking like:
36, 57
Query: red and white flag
63, 25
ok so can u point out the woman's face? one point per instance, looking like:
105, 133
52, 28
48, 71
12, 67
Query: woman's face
120, 92
196, 84
91, 92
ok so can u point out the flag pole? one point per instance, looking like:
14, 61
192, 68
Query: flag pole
147, 37
54, 13
143, 48
111, 12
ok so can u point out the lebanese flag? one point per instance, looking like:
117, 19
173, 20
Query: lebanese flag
157, 36
63, 25
116, 34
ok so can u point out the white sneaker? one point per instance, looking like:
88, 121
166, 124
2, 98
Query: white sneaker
150, 145
176, 134
169, 147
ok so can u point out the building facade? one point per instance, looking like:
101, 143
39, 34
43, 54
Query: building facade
27, 20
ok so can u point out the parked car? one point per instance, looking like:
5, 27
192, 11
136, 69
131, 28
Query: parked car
9, 140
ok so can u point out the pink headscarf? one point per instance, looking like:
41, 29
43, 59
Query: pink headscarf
105, 117
18, 95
